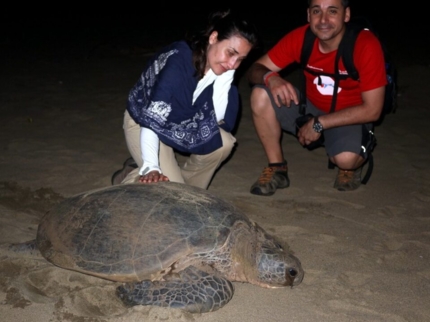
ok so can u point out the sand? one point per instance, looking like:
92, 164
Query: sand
365, 253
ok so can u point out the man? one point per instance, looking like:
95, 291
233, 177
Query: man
275, 101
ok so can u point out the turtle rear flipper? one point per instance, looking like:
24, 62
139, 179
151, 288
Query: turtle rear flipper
193, 290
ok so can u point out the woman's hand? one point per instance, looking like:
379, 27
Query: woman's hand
152, 177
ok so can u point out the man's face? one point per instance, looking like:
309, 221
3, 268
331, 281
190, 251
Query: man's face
327, 18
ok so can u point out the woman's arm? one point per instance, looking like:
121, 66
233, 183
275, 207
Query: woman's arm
150, 145
221, 87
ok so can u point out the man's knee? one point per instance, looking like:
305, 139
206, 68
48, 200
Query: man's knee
260, 99
347, 160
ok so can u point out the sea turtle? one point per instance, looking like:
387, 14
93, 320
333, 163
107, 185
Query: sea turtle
173, 245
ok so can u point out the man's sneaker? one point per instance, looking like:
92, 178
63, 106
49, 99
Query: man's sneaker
120, 175
271, 178
348, 180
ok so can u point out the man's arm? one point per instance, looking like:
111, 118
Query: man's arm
283, 91
367, 112
259, 68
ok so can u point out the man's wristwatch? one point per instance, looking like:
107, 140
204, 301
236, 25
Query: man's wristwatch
317, 125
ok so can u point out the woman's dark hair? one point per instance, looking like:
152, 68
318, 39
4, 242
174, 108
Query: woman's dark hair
227, 25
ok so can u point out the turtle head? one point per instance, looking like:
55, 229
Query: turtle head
277, 267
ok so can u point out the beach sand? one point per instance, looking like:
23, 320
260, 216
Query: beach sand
366, 253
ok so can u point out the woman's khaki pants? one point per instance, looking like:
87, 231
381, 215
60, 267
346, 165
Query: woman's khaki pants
195, 170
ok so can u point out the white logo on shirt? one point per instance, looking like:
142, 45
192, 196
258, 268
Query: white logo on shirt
327, 85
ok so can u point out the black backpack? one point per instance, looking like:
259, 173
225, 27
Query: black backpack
345, 50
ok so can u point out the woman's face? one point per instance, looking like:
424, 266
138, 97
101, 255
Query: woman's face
226, 54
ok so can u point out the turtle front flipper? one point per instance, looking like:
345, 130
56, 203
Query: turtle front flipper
28, 249
192, 290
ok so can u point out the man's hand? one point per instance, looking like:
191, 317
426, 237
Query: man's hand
283, 91
306, 134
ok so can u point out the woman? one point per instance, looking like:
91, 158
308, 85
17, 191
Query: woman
185, 101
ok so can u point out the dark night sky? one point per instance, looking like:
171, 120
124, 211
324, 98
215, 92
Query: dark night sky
60, 24
282, 15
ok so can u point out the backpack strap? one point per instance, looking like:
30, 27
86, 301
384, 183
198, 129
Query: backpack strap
346, 51
308, 45
368, 142
346, 48
336, 81
369, 169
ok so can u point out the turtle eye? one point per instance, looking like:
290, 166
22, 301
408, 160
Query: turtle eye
292, 272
